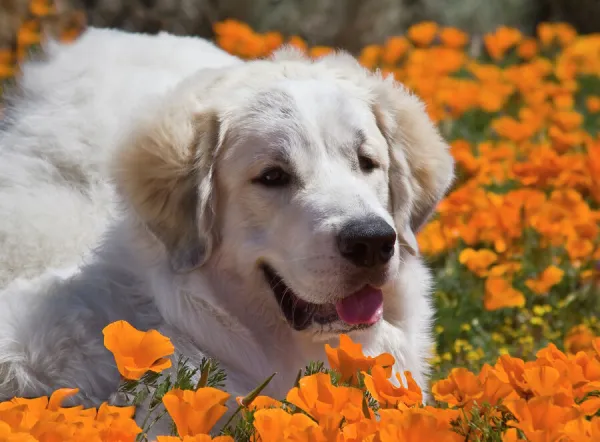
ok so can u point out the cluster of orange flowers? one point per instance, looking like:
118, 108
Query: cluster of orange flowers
554, 398
43, 419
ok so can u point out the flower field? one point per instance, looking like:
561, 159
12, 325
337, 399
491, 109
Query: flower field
556, 397
514, 248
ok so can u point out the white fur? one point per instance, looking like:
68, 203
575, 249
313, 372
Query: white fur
77, 255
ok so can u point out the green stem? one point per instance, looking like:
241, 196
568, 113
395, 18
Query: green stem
247, 400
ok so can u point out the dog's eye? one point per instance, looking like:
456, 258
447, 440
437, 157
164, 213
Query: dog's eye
366, 164
274, 177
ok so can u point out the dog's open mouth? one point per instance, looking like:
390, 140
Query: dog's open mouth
359, 310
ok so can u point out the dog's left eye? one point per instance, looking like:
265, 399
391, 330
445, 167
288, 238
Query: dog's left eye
273, 177
366, 164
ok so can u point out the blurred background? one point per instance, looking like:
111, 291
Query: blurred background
349, 24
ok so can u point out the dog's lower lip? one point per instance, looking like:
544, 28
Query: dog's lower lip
299, 313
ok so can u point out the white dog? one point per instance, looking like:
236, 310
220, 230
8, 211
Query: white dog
251, 211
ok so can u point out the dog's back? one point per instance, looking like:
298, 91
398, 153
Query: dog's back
58, 132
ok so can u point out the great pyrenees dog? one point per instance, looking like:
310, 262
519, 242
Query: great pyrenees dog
250, 211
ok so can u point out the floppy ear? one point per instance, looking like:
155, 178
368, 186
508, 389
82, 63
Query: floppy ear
421, 167
165, 173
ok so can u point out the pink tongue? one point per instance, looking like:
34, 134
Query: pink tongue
362, 307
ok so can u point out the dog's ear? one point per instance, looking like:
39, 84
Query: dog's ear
421, 167
165, 173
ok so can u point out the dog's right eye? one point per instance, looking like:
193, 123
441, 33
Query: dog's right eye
273, 177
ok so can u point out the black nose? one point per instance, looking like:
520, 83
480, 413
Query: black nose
367, 242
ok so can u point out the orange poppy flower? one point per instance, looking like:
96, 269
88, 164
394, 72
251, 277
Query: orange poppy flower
69, 35
569, 368
511, 435
22, 414
41, 8
422, 34
491, 99
579, 248
541, 285
196, 438
477, 261
414, 425
110, 412
579, 338
546, 33
499, 42
252, 46
320, 51
272, 41
431, 238
582, 430
511, 370
565, 33
29, 34
511, 129
298, 43
49, 430
494, 388
592, 103
118, 428
563, 101
195, 412
363, 430
388, 395
462, 152
318, 397
277, 425
59, 396
55, 404
596, 345
591, 405
528, 48
135, 351
547, 381
499, 293
369, 56
348, 359
567, 120
7, 68
507, 269
460, 388
394, 49
540, 414
453, 38
7, 434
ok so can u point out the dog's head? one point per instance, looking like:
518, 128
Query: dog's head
311, 177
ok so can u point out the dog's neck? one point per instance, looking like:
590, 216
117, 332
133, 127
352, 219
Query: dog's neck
247, 336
